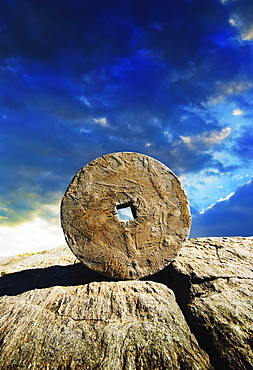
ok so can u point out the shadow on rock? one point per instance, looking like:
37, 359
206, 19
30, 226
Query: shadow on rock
19, 282
77, 274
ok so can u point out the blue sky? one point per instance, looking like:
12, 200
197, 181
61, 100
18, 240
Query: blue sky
170, 79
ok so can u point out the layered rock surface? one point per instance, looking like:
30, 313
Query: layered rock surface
195, 314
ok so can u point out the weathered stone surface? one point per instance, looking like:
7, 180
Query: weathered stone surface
224, 308
60, 256
213, 282
106, 325
57, 266
135, 248
208, 258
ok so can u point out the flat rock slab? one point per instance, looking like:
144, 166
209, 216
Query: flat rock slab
129, 249
126, 325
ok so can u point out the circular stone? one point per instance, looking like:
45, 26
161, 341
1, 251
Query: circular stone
125, 182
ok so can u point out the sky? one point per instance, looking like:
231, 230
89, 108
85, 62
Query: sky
83, 78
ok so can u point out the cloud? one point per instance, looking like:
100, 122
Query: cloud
216, 137
242, 20
219, 200
84, 100
237, 112
230, 216
229, 90
101, 121
81, 79
207, 138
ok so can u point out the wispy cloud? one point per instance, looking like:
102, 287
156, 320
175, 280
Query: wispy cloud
219, 200
206, 138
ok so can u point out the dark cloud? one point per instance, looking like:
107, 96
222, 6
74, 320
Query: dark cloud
244, 145
84, 78
231, 217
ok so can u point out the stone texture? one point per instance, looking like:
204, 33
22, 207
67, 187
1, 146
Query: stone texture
223, 308
77, 321
106, 325
209, 258
60, 256
213, 282
138, 247
57, 266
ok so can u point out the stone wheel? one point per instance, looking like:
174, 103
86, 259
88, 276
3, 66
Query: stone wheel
131, 184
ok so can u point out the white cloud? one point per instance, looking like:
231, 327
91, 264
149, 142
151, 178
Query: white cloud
245, 29
186, 139
209, 138
238, 86
233, 22
233, 87
101, 121
237, 112
182, 177
248, 34
85, 130
168, 136
218, 201
226, 198
215, 137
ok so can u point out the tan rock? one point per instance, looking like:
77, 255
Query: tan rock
135, 248
213, 282
106, 325
207, 258
57, 266
60, 256
223, 309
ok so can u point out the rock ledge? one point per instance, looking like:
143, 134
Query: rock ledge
195, 314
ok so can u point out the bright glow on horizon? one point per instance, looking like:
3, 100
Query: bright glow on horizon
29, 237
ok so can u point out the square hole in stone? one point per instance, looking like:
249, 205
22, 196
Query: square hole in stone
126, 211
